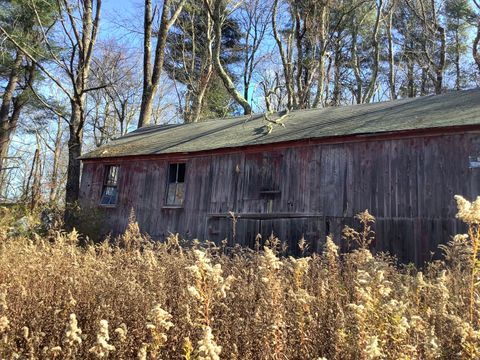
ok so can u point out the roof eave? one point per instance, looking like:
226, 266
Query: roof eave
372, 136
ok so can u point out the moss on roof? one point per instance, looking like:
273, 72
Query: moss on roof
449, 110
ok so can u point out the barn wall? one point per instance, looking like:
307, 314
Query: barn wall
310, 191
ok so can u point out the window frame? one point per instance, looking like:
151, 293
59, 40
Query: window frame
109, 183
175, 204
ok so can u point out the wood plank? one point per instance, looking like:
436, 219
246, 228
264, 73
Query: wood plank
408, 183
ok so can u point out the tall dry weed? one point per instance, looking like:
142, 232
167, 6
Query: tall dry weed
135, 298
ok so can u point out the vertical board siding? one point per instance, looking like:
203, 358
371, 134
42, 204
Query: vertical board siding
309, 191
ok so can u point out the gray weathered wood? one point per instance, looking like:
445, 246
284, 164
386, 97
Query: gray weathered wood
305, 190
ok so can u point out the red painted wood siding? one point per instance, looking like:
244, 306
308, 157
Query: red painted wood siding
407, 183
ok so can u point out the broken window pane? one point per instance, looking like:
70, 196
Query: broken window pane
176, 184
172, 188
179, 193
172, 173
109, 196
181, 173
112, 175
109, 190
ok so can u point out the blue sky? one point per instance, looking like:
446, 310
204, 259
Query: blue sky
121, 17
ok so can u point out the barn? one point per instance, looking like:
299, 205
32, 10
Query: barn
301, 174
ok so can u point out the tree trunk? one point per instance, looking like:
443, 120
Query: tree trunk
439, 82
337, 86
299, 34
370, 91
77, 102
4, 141
205, 75
35, 196
442, 61
227, 81
147, 98
423, 83
286, 60
197, 105
6, 126
391, 59
151, 83
320, 96
56, 164
476, 44
74, 163
457, 61
410, 74
319, 100
146, 107
26, 191
358, 86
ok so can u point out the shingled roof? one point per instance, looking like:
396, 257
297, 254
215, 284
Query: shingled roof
453, 109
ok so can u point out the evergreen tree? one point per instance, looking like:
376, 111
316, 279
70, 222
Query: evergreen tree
458, 14
21, 19
189, 61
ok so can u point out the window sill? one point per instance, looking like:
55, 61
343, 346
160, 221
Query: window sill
107, 206
172, 207
270, 192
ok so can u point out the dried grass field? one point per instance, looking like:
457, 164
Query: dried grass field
134, 298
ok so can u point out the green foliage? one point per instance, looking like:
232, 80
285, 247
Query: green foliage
459, 14
218, 102
23, 20
186, 48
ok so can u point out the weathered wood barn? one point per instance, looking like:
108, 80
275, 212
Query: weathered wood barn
403, 160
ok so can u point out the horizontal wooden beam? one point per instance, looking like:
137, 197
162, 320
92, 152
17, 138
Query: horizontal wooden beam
278, 215
266, 216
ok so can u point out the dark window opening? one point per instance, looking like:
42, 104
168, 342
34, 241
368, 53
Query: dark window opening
110, 186
176, 184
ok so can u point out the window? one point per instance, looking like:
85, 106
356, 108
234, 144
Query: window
110, 182
176, 184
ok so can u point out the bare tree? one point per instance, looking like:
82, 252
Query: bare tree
255, 20
285, 49
79, 27
389, 13
434, 40
309, 35
273, 92
49, 177
151, 73
111, 109
101, 118
337, 68
32, 193
365, 85
55, 145
124, 90
219, 11
13, 101
324, 42
190, 59
476, 40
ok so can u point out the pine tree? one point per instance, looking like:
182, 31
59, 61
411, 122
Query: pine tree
189, 61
